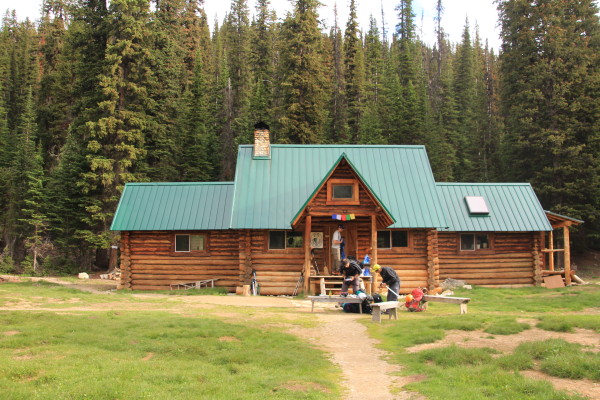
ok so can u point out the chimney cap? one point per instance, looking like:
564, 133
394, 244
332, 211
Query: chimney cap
261, 126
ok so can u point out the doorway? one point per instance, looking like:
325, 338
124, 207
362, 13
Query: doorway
350, 238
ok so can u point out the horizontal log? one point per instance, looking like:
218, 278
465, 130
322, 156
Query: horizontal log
500, 281
483, 270
190, 277
150, 282
472, 265
184, 261
489, 274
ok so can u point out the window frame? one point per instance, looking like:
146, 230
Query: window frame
490, 240
285, 240
343, 182
179, 253
393, 248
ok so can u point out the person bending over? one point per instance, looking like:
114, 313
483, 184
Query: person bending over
351, 272
391, 279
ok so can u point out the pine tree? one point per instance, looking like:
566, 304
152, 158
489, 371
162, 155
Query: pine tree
354, 71
33, 212
338, 108
263, 52
302, 76
55, 96
115, 146
238, 127
464, 92
371, 122
24, 173
550, 79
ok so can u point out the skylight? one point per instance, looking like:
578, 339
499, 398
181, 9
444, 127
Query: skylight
477, 205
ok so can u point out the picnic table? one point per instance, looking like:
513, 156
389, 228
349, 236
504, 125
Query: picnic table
194, 284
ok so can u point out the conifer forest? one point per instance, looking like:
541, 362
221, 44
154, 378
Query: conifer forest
99, 93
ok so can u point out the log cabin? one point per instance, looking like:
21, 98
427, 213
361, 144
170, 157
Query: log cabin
278, 216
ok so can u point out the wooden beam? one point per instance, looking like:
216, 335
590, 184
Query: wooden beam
551, 248
373, 251
307, 232
567, 254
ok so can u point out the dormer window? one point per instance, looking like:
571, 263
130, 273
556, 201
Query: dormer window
342, 191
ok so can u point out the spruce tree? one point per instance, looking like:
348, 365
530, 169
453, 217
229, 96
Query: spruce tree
302, 76
354, 71
550, 79
338, 108
464, 92
115, 145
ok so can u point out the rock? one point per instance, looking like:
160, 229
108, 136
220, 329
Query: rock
469, 287
83, 275
450, 284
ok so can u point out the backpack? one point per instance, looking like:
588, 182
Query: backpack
414, 301
354, 307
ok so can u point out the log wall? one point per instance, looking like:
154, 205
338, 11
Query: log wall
277, 271
410, 264
509, 261
150, 264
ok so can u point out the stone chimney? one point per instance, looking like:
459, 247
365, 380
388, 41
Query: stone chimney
262, 141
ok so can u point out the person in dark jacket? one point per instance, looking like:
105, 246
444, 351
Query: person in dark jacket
391, 279
351, 272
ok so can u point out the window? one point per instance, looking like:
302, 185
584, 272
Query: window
390, 239
188, 243
280, 240
471, 241
342, 191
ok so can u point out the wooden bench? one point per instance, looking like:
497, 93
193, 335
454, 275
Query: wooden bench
334, 299
462, 301
391, 306
193, 285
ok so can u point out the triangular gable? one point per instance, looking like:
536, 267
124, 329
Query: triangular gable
328, 175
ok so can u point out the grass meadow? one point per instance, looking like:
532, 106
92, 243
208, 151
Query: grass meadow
150, 350
456, 372
61, 343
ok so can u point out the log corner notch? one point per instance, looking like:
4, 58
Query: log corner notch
125, 282
433, 260
564, 222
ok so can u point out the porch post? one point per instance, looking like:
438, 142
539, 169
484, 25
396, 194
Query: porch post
551, 248
373, 252
567, 254
537, 267
307, 231
125, 279
433, 261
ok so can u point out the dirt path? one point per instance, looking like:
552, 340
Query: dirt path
366, 374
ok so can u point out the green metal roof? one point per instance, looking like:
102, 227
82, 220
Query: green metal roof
579, 221
513, 207
174, 206
270, 192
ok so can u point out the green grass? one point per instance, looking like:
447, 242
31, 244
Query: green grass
563, 359
531, 299
155, 355
568, 323
458, 373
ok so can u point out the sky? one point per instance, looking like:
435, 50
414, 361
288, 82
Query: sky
480, 12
